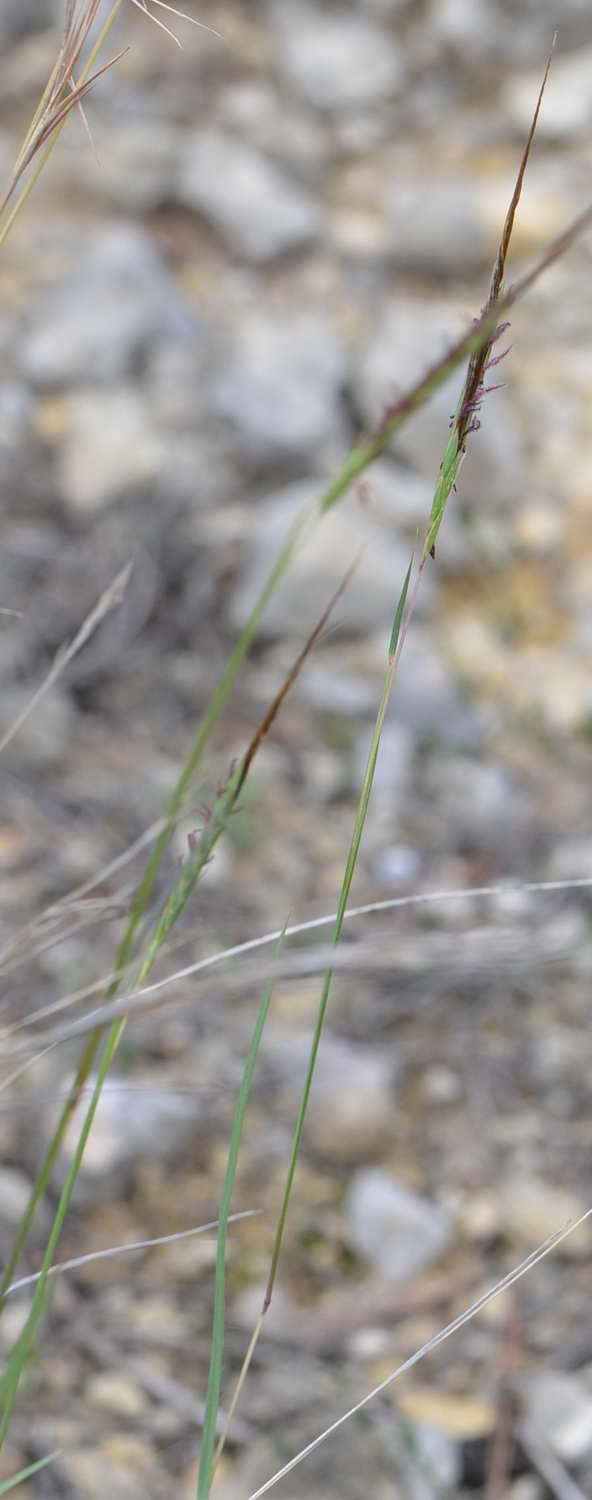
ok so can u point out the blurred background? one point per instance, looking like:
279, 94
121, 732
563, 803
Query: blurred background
253, 244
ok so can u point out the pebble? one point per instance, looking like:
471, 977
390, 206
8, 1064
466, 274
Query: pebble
285, 131
391, 789
474, 29
22, 468
426, 698
531, 1210
111, 449
428, 1460
278, 390
396, 1230
15, 1193
458, 1415
105, 314
351, 1111
19, 17
397, 867
137, 165
343, 536
41, 743
436, 228
483, 807
115, 1393
124, 1465
259, 210
136, 1120
567, 106
559, 1407
337, 61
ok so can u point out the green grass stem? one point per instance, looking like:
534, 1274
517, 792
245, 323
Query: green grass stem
207, 1458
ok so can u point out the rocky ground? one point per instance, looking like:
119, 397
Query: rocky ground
271, 233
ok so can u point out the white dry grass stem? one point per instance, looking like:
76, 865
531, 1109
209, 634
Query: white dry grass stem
506, 1282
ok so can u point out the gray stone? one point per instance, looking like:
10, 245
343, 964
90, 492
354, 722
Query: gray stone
396, 1230
350, 1115
426, 699
286, 131
483, 32
567, 105
136, 168
393, 768
472, 27
408, 340
105, 313
111, 448
17, 439
436, 227
336, 60
559, 1407
344, 535
397, 867
383, 10
429, 1462
19, 18
531, 1209
328, 684
136, 1120
484, 807
257, 208
15, 1194
41, 744
278, 391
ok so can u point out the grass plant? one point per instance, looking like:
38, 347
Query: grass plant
74, 74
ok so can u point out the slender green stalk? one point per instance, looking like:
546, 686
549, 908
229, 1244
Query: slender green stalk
206, 1455
45, 1171
199, 854
172, 910
24, 1344
343, 900
10, 1484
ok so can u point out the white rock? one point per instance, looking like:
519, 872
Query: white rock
278, 392
395, 1229
18, 17
136, 1119
111, 448
485, 807
397, 867
244, 195
560, 1410
426, 699
337, 60
42, 742
428, 1462
436, 227
137, 165
567, 105
15, 1194
114, 301
343, 535
350, 1115
531, 1210
116, 1393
